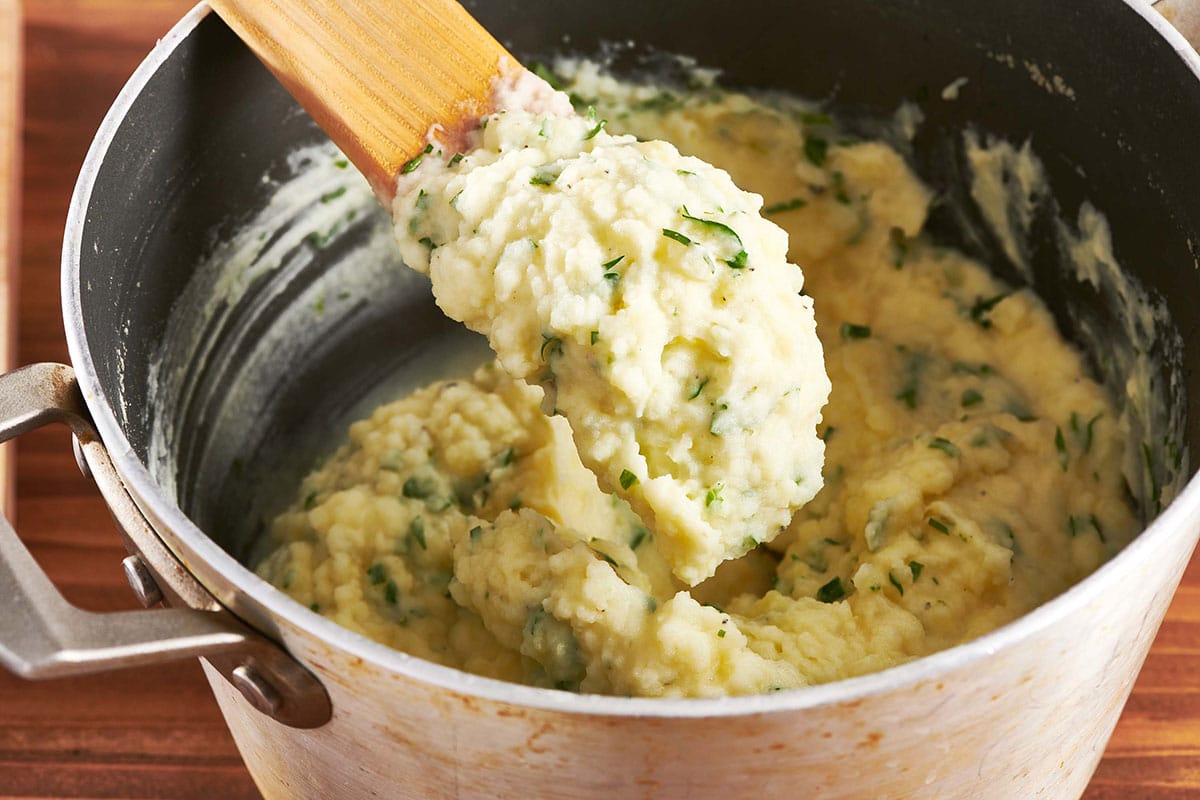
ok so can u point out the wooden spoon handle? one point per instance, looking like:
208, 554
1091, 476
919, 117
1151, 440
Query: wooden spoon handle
374, 74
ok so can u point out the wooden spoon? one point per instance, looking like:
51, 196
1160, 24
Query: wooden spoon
375, 74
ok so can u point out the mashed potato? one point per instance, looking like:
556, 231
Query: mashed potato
644, 292
971, 466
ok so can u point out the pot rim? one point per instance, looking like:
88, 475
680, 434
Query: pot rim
1178, 519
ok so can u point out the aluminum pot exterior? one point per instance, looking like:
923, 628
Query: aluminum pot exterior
1023, 712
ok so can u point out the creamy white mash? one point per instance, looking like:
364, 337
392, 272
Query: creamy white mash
972, 468
644, 292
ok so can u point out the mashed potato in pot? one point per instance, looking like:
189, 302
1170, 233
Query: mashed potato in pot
971, 471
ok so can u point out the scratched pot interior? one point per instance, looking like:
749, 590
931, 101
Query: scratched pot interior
186, 172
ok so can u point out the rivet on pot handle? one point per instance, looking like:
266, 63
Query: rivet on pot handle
44, 636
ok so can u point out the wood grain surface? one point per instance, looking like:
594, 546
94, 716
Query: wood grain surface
156, 733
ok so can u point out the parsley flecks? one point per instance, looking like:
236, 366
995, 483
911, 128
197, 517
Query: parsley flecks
816, 150
310, 501
786, 205
377, 574
416, 529
849, 330
341, 163
1064, 458
595, 336
676, 235
599, 126
938, 525
971, 397
475, 533
899, 244
329, 197
983, 306
613, 263
417, 488
899, 586
828, 433
627, 479
721, 633
425, 240
839, 188
945, 445
832, 591
543, 72
699, 388
546, 174
1083, 432
415, 162
713, 495
639, 536
739, 259
915, 567
457, 157
391, 592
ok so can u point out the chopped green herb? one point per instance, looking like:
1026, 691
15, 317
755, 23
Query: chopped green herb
721, 633
416, 529
713, 495
454, 159
315, 608
1083, 433
828, 433
915, 567
543, 72
425, 240
684, 172
475, 533
832, 591
899, 244
739, 260
613, 263
938, 525
391, 592
598, 127
970, 397
651, 604
909, 393
606, 557
839, 188
288, 578
896, 583
546, 174
945, 445
1064, 458
377, 574
329, 197
1099, 531
415, 162
417, 488
514, 503
699, 388
851, 331
786, 205
676, 235
750, 543
310, 501
341, 163
627, 479
816, 150
983, 306
595, 336
639, 536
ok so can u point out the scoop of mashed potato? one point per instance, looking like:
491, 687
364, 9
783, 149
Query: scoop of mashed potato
644, 292
972, 468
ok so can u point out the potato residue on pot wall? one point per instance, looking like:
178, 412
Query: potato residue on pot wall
973, 469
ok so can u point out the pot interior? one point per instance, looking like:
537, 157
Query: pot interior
230, 396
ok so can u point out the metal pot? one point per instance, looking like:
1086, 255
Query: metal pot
319, 712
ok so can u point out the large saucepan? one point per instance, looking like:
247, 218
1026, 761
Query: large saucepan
1111, 97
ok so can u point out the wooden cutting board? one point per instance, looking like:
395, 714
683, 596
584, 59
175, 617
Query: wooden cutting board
10, 215
156, 733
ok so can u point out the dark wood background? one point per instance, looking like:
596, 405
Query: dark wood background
156, 733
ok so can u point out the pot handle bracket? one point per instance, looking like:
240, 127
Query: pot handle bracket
43, 636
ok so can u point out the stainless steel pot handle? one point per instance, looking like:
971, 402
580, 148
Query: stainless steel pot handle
44, 636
